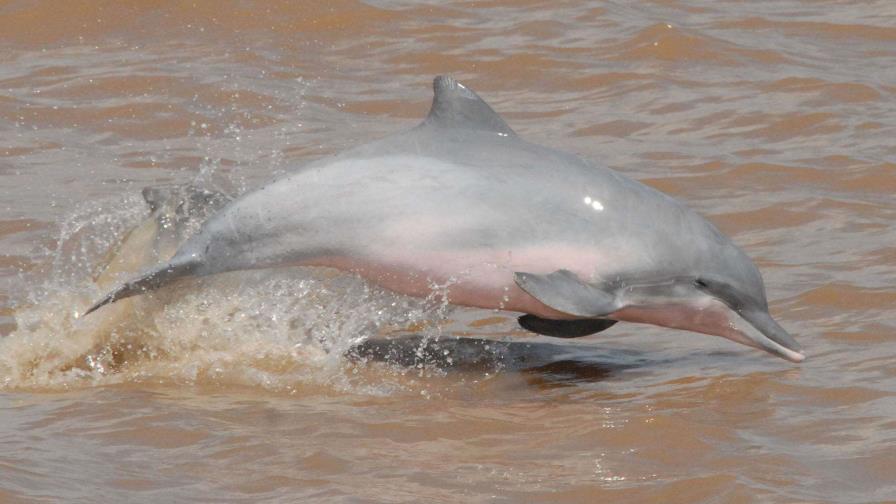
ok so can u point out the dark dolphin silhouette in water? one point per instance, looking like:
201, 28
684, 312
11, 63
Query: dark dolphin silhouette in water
461, 203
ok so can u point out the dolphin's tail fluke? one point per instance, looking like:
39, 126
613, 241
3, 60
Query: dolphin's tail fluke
152, 280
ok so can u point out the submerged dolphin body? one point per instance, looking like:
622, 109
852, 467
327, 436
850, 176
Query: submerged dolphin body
461, 203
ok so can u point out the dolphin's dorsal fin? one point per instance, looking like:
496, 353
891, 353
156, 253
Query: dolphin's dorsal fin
457, 106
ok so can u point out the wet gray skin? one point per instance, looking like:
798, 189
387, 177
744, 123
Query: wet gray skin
461, 204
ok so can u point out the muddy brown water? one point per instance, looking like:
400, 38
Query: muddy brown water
774, 119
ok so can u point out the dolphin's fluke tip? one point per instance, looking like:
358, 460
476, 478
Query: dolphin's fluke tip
91, 309
150, 281
99, 304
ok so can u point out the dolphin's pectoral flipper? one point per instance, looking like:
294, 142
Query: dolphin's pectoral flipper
564, 328
563, 291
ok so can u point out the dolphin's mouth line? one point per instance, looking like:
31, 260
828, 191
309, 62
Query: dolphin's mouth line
773, 347
760, 330
757, 329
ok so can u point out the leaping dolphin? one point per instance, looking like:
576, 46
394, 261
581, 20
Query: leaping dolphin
461, 202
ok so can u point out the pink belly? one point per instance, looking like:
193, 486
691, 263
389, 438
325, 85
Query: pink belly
703, 315
691, 317
480, 279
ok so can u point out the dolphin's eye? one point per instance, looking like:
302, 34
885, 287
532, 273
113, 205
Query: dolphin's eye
700, 284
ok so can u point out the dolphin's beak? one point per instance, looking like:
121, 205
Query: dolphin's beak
758, 329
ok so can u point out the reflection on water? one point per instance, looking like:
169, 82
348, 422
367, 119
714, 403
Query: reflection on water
553, 362
775, 120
